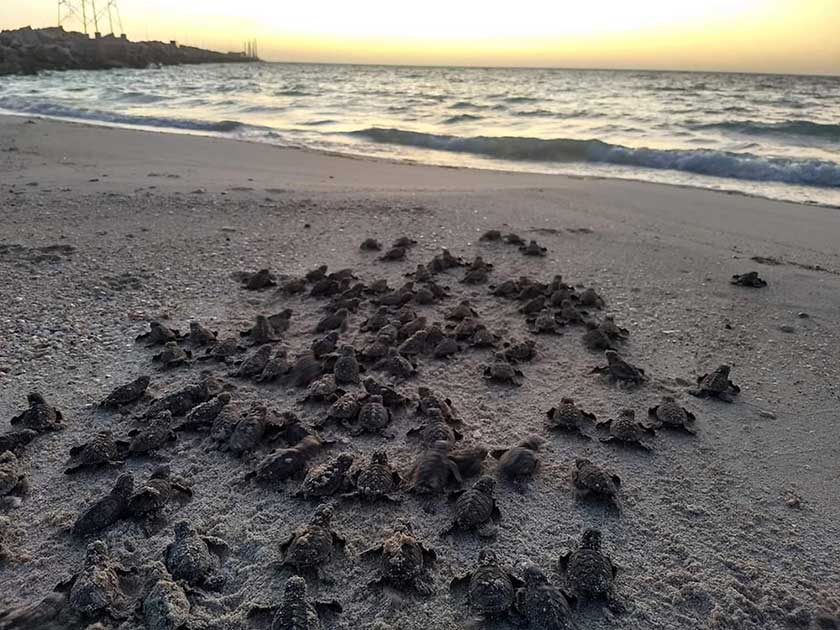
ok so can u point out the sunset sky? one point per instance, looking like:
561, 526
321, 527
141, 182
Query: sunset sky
745, 35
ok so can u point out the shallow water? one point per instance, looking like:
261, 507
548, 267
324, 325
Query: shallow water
774, 136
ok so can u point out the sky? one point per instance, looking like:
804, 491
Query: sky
786, 36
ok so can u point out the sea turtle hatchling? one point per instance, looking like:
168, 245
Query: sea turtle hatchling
462, 311
158, 334
491, 588
154, 495
519, 351
311, 546
716, 385
276, 367
194, 558
165, 605
544, 323
669, 414
391, 398
283, 464
374, 416
12, 477
376, 480
201, 336
596, 339
203, 414
101, 589
16, 441
370, 245
325, 345
333, 321
626, 430
296, 611
101, 450
394, 253
127, 393
254, 364
589, 573
428, 399
540, 602
305, 369
323, 389
433, 470
567, 416
521, 461
620, 370
491, 236
154, 434
346, 368
611, 329
405, 562
749, 279
533, 249
500, 371
469, 459
39, 416
396, 365
327, 479
475, 508
172, 356
591, 481
257, 280
107, 510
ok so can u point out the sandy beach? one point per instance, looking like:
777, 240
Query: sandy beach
738, 527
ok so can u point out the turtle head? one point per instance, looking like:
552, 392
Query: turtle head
485, 484
380, 458
424, 392
534, 575
296, 587
668, 399
344, 461
144, 380
195, 326
723, 370
35, 398
582, 462
162, 472
487, 558
591, 539
323, 515
612, 356
532, 442
403, 526
375, 399
224, 397
96, 553
346, 350
7, 457
125, 485
441, 446
183, 529
567, 401
628, 413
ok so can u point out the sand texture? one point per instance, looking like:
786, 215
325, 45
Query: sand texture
733, 528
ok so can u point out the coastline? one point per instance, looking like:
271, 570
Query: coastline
150, 223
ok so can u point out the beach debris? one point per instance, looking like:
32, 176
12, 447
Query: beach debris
620, 370
716, 385
405, 562
491, 588
669, 414
475, 508
749, 279
195, 558
626, 430
127, 393
40, 416
589, 573
591, 481
107, 510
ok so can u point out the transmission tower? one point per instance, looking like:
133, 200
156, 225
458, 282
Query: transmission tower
85, 13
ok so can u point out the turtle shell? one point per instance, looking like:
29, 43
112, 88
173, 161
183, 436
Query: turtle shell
474, 507
402, 558
491, 591
309, 547
589, 572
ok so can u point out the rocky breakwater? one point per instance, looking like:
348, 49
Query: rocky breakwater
28, 51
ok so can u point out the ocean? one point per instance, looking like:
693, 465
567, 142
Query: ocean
767, 135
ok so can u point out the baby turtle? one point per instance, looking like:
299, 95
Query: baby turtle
327, 479
283, 464
297, 611
377, 480
589, 573
100, 588
127, 394
370, 245
312, 545
520, 461
262, 331
519, 351
461, 312
158, 334
165, 606
716, 385
533, 249
625, 430
540, 602
249, 430
749, 279
223, 351
435, 429
333, 321
415, 344
545, 323
596, 339
305, 370
483, 338
475, 509
670, 415
40, 416
468, 459
404, 241
592, 481
154, 495
183, 400
324, 389
324, 345
258, 280
533, 306
465, 329
374, 416
380, 319
433, 470
491, 236
203, 414
344, 410
491, 588
391, 398
172, 356
394, 253
101, 450
590, 298
157, 431
194, 558
613, 330
346, 369
15, 441
396, 365
201, 336
405, 561
446, 348
12, 477
500, 371
513, 239
254, 364
429, 400
620, 370
107, 510
276, 367
567, 416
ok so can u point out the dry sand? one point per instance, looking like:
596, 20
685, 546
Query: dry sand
708, 537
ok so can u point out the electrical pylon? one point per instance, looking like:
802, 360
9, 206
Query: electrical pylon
85, 13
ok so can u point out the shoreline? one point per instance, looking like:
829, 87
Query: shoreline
408, 161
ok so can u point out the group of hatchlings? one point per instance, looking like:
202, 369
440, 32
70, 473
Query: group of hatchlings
337, 374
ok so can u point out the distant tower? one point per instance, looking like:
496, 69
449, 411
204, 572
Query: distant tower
84, 13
